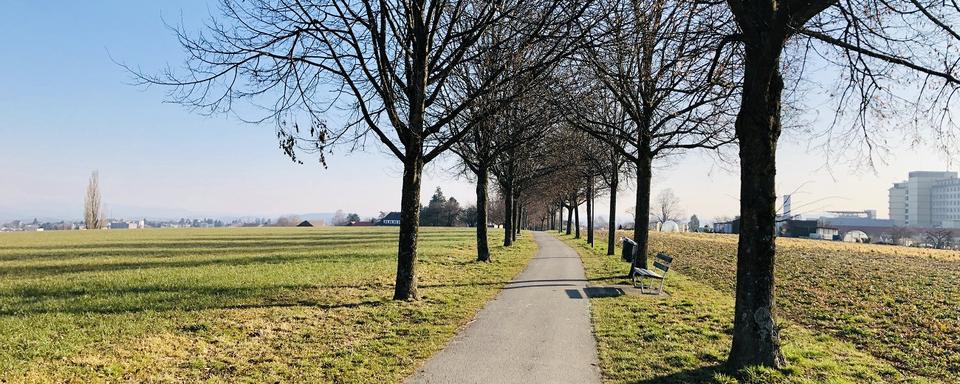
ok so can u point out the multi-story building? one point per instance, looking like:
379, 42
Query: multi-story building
898, 204
946, 203
921, 201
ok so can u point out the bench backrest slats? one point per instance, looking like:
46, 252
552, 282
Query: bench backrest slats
665, 257
661, 266
662, 261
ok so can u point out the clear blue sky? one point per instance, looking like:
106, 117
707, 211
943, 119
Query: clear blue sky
66, 109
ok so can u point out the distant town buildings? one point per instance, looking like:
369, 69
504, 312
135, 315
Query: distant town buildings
118, 224
127, 224
732, 226
926, 200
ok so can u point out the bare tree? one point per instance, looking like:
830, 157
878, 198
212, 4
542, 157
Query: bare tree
527, 132
658, 60
667, 207
939, 238
899, 235
598, 111
92, 204
389, 62
496, 127
600, 168
879, 46
287, 221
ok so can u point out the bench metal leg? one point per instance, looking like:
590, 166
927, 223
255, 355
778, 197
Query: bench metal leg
638, 282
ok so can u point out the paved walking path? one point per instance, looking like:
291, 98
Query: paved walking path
537, 330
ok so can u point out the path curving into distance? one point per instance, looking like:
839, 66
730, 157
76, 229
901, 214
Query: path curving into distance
537, 329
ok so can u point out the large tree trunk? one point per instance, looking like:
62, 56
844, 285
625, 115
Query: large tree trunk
508, 215
756, 339
569, 219
406, 284
516, 217
576, 215
612, 226
483, 249
590, 212
642, 212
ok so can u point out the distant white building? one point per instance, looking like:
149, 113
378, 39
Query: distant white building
945, 203
926, 200
856, 219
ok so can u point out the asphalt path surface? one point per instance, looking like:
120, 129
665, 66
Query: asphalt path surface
537, 329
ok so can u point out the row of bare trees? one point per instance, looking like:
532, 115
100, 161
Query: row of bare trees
555, 100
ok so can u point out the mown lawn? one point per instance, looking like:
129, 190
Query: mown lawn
228, 305
684, 338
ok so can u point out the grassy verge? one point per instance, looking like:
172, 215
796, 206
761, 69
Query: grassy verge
255, 305
900, 304
684, 338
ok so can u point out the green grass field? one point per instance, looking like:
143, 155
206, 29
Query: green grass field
227, 305
849, 313
899, 304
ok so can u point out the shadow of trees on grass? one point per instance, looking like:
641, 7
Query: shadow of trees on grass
180, 262
82, 300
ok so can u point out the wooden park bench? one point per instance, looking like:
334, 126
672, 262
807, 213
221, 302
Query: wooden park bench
661, 262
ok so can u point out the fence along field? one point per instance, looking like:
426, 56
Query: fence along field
265, 304
899, 304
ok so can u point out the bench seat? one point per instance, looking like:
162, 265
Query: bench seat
647, 273
661, 262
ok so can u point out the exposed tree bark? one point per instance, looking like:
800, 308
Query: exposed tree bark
576, 214
642, 211
406, 283
559, 218
569, 219
552, 219
521, 219
508, 216
483, 250
612, 225
590, 212
516, 217
756, 338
